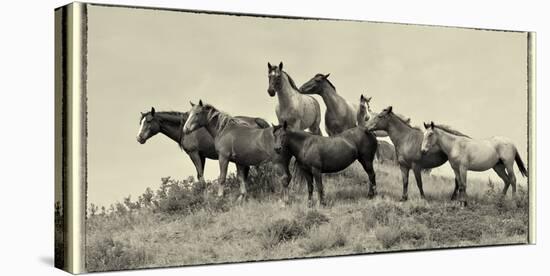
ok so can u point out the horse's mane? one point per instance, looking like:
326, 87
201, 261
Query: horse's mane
291, 81
223, 118
327, 80
172, 117
406, 121
177, 114
450, 130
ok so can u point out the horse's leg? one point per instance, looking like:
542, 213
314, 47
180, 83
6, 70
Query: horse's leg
462, 174
418, 177
196, 159
500, 169
455, 192
309, 179
224, 162
369, 169
242, 173
203, 166
511, 175
405, 176
318, 177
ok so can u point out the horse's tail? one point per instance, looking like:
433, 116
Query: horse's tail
520, 164
261, 123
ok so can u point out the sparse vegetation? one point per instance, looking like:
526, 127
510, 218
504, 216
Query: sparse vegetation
180, 224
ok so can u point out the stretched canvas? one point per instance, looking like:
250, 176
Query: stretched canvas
193, 137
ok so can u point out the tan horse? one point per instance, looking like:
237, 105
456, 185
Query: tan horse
299, 111
467, 154
239, 143
339, 115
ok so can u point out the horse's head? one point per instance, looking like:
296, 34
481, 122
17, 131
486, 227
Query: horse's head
429, 139
149, 126
314, 85
197, 117
274, 73
381, 120
280, 137
364, 106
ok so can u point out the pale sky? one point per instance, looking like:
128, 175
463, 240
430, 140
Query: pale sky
473, 80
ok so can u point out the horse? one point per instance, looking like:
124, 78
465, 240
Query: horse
385, 151
317, 154
408, 141
339, 115
467, 154
199, 144
239, 143
300, 111
365, 107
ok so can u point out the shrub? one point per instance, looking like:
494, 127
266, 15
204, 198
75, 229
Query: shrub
388, 236
105, 253
280, 231
414, 233
325, 238
311, 219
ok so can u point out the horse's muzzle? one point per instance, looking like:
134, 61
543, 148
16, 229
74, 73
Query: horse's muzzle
271, 92
278, 150
141, 140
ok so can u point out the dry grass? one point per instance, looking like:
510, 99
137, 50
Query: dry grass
259, 229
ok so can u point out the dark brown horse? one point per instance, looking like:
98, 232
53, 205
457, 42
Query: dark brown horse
316, 154
408, 142
199, 145
238, 143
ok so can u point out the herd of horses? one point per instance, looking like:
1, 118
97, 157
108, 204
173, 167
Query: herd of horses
354, 134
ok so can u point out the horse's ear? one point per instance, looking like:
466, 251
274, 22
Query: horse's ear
426, 126
326, 76
369, 98
269, 66
152, 111
281, 66
285, 125
390, 109
362, 97
432, 124
200, 103
192, 104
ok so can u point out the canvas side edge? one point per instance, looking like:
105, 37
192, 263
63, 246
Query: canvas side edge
532, 111
71, 165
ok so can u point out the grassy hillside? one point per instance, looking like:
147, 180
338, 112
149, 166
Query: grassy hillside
176, 225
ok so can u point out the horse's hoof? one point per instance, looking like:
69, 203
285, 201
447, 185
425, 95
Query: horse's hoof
404, 198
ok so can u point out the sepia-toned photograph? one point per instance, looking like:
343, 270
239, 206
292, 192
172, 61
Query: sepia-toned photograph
221, 138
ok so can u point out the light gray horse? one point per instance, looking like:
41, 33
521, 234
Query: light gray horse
339, 115
467, 154
299, 111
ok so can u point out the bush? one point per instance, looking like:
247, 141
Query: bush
388, 236
311, 219
325, 238
105, 253
280, 231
